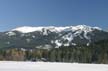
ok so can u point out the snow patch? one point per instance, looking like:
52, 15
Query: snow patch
11, 33
23, 49
8, 42
66, 44
28, 40
22, 35
33, 36
74, 44
58, 43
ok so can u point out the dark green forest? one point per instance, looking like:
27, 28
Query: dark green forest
95, 53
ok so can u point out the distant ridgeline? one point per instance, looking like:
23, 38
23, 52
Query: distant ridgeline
82, 44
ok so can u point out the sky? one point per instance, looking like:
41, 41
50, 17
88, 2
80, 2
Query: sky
17, 13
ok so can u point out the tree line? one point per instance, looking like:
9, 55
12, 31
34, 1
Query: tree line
95, 53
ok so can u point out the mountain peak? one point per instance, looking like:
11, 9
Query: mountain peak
27, 29
81, 27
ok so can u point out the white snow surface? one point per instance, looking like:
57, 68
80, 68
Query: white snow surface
28, 29
47, 66
11, 33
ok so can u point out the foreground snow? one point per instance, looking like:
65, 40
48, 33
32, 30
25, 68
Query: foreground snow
42, 66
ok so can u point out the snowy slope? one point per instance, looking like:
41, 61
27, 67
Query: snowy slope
28, 29
41, 66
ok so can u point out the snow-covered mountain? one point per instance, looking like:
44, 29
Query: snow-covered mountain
27, 29
51, 36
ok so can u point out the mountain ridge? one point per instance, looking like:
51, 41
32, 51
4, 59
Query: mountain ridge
51, 37
28, 29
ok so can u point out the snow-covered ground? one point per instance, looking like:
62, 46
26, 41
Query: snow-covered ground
47, 66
